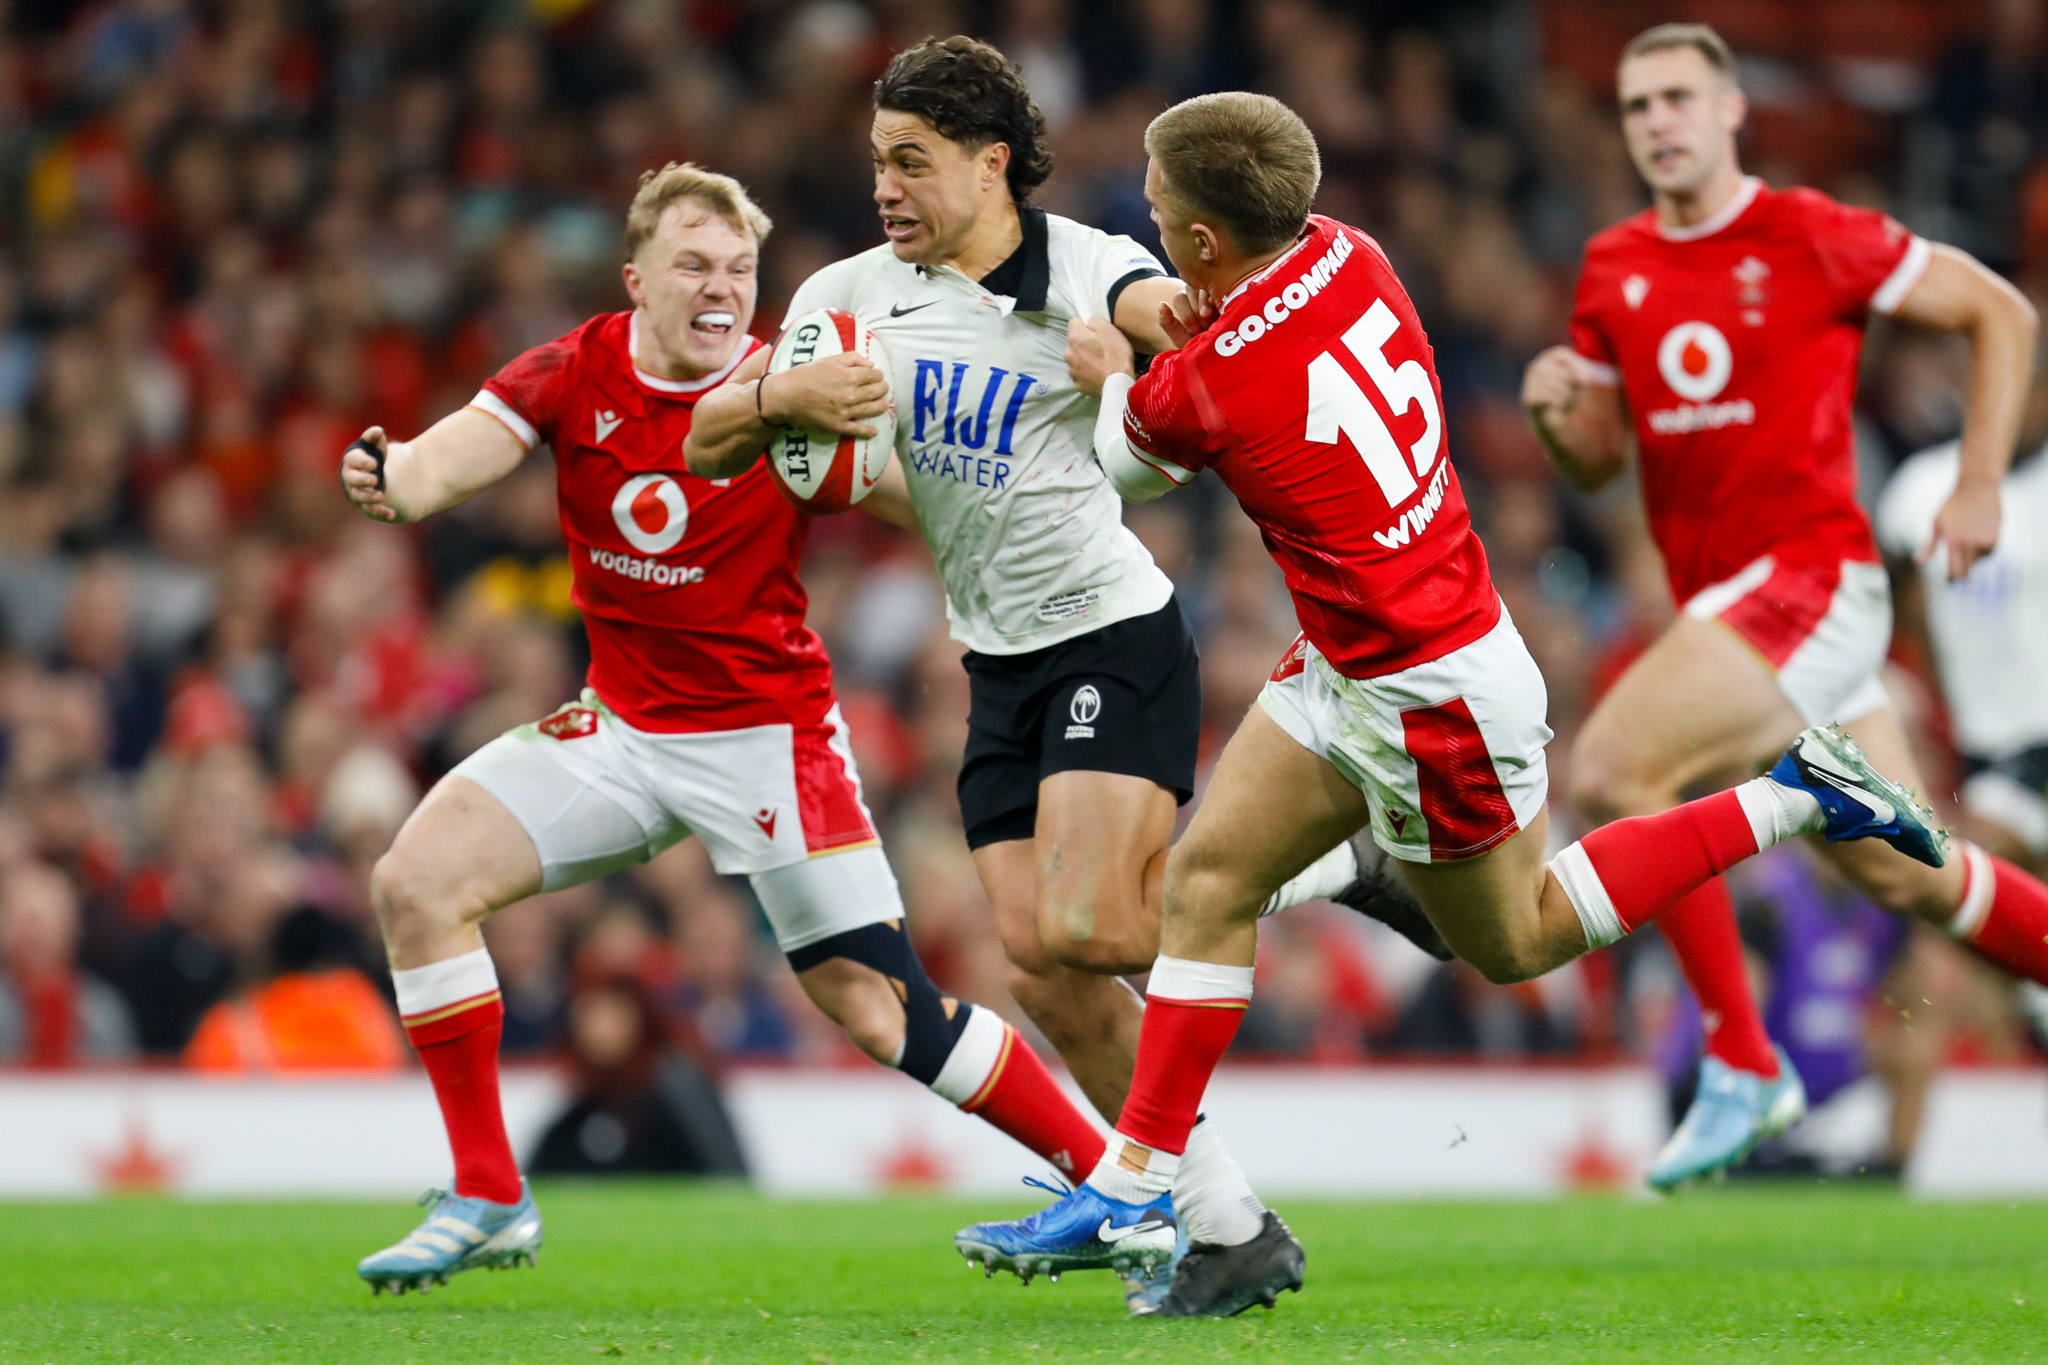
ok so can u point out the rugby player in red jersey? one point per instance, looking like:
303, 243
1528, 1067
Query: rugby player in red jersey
709, 711
1718, 332
1410, 704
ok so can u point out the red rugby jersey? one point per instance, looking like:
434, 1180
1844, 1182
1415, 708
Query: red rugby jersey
688, 586
1314, 397
1736, 342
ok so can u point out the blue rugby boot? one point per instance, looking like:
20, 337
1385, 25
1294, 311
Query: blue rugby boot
1145, 1287
1083, 1230
459, 1234
1732, 1111
1859, 801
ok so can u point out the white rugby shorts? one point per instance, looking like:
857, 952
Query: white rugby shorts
1823, 631
1448, 753
778, 803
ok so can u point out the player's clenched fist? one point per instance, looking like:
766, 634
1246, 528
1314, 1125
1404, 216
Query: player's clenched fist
834, 394
1183, 316
1552, 380
1095, 351
362, 476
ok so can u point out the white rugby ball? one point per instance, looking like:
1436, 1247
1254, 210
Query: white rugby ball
818, 470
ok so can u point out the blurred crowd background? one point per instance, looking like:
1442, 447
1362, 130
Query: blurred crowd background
233, 234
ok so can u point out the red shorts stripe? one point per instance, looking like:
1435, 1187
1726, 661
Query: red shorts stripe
827, 793
1461, 798
1776, 618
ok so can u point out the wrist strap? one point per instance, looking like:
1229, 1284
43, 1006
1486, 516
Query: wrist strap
761, 411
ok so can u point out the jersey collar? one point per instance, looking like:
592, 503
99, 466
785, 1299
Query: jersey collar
1722, 217
1307, 234
1025, 277
680, 386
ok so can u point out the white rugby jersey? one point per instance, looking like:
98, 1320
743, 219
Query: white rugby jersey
996, 441
1990, 630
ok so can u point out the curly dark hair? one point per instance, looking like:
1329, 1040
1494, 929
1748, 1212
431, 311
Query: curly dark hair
972, 94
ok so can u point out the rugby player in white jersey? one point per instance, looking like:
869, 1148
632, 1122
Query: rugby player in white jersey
1988, 633
709, 711
1086, 693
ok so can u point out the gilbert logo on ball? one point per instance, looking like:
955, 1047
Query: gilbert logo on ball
818, 470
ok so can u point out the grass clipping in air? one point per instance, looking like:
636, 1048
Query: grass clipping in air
675, 1272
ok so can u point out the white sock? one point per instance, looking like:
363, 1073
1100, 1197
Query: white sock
424, 993
1213, 1199
1326, 876
1155, 1176
1777, 812
974, 1058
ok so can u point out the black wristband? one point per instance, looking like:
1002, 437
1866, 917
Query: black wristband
375, 452
760, 408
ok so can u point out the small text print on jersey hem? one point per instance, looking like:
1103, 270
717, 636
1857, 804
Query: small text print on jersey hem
647, 570
1068, 605
1282, 305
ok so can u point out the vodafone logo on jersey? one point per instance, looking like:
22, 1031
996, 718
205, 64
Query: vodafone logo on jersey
651, 513
1695, 360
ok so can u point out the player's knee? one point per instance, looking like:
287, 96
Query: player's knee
1091, 926
1604, 787
888, 1006
1202, 887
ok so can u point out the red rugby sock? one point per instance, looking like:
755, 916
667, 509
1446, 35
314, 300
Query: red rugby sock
1701, 932
455, 1017
1021, 1098
2003, 915
1623, 875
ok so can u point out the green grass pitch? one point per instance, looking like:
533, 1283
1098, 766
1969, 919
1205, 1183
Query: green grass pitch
675, 1272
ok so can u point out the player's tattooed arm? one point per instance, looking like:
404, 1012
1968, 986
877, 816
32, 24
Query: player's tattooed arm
1582, 424
462, 454
733, 423
1956, 294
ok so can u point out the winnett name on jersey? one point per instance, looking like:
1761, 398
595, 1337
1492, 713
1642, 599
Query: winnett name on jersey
647, 570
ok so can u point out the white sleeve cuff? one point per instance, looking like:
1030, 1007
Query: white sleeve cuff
1891, 295
488, 402
1596, 372
1135, 477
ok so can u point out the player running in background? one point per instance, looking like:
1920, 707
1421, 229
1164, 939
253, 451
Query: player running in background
1086, 692
709, 711
1718, 332
1988, 631
1988, 634
1410, 703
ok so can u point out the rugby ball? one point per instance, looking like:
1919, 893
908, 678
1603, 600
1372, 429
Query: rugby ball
820, 471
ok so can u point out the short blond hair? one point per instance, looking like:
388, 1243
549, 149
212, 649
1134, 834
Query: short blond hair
721, 195
1243, 162
1701, 38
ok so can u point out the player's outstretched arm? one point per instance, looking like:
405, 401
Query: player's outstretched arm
1582, 424
733, 423
1140, 311
462, 454
1099, 359
1956, 294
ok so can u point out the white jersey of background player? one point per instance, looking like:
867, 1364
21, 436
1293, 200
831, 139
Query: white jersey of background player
1989, 632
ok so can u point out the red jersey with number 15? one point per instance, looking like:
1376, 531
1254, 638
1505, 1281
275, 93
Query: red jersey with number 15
1736, 341
688, 586
1314, 397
